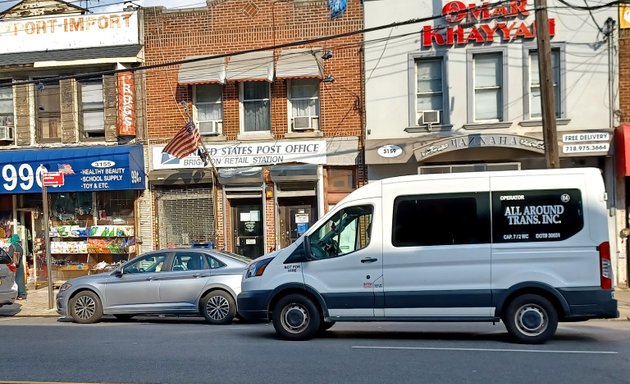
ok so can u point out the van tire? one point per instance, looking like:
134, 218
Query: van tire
296, 317
531, 319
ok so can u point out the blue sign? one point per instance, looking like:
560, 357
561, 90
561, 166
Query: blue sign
85, 169
337, 7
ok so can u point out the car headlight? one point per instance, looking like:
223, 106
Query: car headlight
258, 268
65, 286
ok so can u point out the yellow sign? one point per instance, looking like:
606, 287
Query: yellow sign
624, 16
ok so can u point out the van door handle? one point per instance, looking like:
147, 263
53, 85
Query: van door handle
369, 260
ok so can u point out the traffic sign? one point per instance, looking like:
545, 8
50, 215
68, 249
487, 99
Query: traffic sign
52, 179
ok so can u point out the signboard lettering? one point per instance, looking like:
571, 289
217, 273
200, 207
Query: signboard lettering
126, 104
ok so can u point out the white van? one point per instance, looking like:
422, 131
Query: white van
529, 248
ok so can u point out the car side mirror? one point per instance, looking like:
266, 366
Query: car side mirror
117, 273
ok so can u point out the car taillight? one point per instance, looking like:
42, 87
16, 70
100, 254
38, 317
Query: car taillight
12, 267
605, 265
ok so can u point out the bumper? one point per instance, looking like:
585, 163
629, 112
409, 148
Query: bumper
595, 304
8, 298
61, 303
253, 305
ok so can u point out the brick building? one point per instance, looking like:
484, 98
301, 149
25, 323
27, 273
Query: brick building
282, 121
63, 109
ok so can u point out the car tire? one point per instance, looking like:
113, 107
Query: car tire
296, 317
123, 317
531, 319
85, 307
218, 307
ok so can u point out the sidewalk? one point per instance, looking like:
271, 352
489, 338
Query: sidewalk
37, 305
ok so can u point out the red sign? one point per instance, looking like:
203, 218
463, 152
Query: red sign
52, 179
126, 105
489, 21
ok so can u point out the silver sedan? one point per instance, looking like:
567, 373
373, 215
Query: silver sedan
8, 287
170, 281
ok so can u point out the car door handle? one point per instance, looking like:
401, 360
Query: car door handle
196, 274
368, 260
150, 278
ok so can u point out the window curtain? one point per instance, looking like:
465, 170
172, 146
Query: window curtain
305, 98
256, 107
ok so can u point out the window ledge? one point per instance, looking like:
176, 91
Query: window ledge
498, 125
538, 123
425, 129
212, 138
295, 135
251, 136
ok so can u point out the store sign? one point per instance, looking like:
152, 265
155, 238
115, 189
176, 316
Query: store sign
68, 32
593, 143
480, 141
126, 105
82, 169
52, 179
584, 137
389, 151
247, 155
482, 23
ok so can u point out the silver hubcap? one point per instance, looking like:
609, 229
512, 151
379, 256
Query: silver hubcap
531, 320
217, 307
295, 318
85, 307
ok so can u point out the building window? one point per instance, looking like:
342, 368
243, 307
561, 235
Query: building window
256, 106
208, 108
429, 94
535, 112
92, 109
304, 104
6, 110
488, 78
48, 111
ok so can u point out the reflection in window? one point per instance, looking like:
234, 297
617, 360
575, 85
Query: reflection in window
345, 232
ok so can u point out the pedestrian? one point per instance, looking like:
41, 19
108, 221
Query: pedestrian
16, 251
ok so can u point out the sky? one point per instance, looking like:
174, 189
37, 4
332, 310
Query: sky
103, 6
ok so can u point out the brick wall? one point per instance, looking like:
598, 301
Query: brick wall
624, 75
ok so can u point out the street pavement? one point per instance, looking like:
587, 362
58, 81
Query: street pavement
37, 304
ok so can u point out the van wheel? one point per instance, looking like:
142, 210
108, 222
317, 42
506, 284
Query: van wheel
85, 307
531, 319
295, 317
218, 307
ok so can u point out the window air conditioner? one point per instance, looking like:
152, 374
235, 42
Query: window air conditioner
6, 133
210, 127
303, 123
430, 117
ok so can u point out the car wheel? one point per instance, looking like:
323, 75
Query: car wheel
218, 307
85, 307
123, 317
295, 317
531, 319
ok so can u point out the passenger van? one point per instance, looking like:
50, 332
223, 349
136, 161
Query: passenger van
529, 248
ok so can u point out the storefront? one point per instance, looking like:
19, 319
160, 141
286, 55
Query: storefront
263, 197
92, 215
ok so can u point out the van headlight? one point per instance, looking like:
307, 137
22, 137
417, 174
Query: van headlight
258, 268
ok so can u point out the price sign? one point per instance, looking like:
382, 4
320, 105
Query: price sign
52, 179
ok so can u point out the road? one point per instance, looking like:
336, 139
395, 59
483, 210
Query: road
186, 350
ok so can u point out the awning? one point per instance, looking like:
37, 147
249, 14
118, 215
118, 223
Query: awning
204, 71
85, 169
239, 176
299, 63
253, 66
293, 173
180, 177
121, 53
622, 145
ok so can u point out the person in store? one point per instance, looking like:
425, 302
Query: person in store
16, 251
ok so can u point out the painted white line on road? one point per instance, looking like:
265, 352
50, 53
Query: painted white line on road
487, 350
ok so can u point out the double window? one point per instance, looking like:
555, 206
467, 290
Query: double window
92, 109
304, 104
6, 109
208, 108
532, 79
256, 100
48, 111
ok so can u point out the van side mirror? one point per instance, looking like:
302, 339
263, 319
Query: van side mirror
302, 253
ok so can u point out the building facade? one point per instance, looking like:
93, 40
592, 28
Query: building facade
65, 111
280, 111
458, 90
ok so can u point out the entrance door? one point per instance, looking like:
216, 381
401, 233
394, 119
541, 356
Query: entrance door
247, 227
297, 215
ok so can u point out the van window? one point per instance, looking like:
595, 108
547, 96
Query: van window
441, 219
544, 215
345, 232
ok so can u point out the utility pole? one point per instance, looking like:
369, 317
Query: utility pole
545, 75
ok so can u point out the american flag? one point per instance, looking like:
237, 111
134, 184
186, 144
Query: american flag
184, 142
